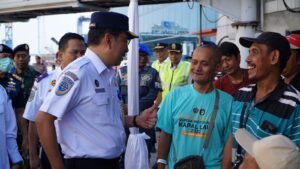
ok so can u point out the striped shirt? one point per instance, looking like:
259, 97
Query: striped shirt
277, 113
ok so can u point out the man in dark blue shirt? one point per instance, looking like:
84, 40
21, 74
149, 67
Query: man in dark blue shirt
150, 85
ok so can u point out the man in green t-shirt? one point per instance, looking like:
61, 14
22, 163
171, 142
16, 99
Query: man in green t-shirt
185, 113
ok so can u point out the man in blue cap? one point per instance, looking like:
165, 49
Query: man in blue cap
149, 86
86, 102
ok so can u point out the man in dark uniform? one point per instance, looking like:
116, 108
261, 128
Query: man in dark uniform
150, 85
26, 74
11, 85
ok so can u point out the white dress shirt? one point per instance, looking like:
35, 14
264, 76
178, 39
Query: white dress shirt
86, 103
8, 132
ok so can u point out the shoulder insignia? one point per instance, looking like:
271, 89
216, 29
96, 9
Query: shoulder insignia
42, 76
64, 86
72, 75
53, 82
146, 77
17, 77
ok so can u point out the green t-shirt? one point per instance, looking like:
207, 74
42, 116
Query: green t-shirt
185, 114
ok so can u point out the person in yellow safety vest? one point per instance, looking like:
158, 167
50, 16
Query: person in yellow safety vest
161, 54
176, 72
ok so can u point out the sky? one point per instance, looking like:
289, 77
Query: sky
38, 32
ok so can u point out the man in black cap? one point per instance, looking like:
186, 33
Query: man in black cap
26, 74
86, 100
176, 72
270, 106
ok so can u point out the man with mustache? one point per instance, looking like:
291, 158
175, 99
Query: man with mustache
269, 106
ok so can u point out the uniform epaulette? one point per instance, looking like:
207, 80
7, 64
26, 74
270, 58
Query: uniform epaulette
42, 76
80, 62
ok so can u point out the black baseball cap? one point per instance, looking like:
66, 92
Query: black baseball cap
111, 20
272, 39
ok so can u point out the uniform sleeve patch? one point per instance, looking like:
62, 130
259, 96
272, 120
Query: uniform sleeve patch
146, 77
72, 75
64, 86
53, 82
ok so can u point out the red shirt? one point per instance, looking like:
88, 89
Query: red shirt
225, 84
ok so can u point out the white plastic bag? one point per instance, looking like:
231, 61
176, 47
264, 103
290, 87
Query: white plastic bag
136, 156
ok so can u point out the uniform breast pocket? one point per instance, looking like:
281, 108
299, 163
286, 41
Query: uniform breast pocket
100, 106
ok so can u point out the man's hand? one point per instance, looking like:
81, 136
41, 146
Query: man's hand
34, 162
25, 148
249, 163
147, 118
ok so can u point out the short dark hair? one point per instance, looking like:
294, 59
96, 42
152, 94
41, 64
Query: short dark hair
95, 35
229, 49
63, 42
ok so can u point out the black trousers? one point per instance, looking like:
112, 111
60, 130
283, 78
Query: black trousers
91, 163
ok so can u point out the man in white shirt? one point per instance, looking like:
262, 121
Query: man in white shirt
8, 134
86, 102
71, 46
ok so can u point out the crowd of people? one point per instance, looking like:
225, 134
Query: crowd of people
76, 116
